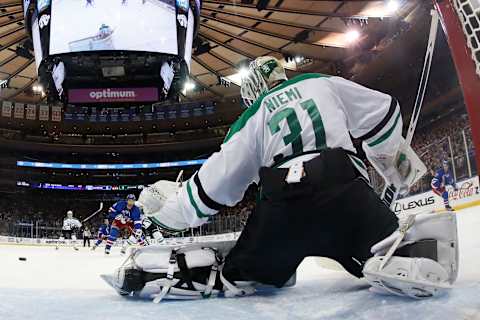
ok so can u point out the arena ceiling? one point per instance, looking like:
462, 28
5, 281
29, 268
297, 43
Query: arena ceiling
320, 36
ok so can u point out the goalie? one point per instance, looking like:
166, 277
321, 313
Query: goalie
294, 141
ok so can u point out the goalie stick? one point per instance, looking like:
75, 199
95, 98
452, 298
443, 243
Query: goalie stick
390, 192
93, 214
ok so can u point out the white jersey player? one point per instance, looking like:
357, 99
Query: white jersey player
69, 229
294, 141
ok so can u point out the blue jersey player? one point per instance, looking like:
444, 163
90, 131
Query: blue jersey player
103, 232
443, 177
124, 214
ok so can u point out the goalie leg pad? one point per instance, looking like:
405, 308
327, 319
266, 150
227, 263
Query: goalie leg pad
418, 260
412, 277
185, 273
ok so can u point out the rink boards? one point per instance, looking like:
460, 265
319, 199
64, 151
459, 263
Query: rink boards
467, 195
167, 242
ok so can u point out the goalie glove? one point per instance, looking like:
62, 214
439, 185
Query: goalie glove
160, 204
153, 198
402, 169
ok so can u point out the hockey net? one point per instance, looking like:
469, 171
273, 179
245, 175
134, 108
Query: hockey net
461, 24
468, 12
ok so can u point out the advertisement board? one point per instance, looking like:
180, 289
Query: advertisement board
94, 95
468, 192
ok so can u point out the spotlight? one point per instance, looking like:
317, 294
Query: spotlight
298, 59
37, 89
352, 35
392, 6
189, 85
243, 72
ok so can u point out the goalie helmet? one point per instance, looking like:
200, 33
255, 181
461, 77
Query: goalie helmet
263, 73
69, 214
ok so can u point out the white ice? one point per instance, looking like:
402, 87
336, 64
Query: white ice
64, 284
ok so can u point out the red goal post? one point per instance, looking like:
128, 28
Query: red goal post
460, 21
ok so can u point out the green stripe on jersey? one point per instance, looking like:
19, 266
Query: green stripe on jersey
250, 112
199, 213
387, 134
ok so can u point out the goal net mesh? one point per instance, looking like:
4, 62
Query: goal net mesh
469, 13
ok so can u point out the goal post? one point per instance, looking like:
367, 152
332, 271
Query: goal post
460, 21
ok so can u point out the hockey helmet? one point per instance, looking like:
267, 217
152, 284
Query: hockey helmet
262, 74
131, 199
70, 214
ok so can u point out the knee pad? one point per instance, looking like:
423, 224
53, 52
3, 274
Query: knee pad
419, 260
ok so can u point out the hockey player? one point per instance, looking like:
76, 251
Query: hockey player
69, 229
125, 215
443, 178
315, 199
103, 232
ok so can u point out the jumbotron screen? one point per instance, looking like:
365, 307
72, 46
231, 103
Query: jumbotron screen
127, 25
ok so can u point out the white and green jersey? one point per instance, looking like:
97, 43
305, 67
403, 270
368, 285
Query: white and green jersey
306, 113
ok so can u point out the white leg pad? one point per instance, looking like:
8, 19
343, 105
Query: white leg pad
416, 277
412, 277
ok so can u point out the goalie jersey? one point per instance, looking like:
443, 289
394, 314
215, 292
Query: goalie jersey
307, 113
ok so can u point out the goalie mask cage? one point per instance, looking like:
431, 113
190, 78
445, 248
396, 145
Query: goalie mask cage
461, 24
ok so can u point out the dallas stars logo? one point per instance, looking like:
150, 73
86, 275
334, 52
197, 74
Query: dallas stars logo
268, 67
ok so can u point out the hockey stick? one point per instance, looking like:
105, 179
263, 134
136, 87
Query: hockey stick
390, 192
93, 214
180, 178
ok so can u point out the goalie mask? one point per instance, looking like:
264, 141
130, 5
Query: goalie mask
70, 214
263, 73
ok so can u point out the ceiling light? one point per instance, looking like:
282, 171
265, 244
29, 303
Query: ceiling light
352, 35
392, 6
189, 85
298, 59
243, 72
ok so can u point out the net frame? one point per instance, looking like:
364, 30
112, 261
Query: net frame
460, 20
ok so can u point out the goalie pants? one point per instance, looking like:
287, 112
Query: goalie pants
332, 212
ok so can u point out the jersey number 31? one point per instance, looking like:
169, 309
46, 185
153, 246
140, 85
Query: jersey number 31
295, 136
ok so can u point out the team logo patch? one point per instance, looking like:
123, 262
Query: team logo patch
267, 68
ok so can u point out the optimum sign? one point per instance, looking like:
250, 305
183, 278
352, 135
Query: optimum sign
112, 95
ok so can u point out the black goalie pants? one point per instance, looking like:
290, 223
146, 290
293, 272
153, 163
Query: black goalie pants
331, 213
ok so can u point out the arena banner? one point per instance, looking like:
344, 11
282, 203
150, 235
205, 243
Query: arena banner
43, 113
167, 241
56, 113
31, 113
19, 111
112, 95
7, 109
468, 193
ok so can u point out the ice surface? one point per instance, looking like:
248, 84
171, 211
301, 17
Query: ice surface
65, 284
